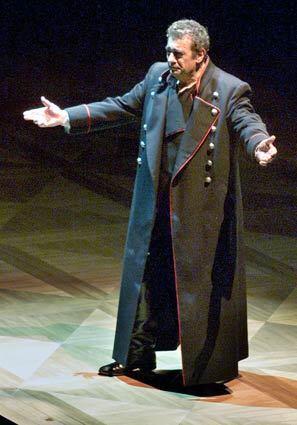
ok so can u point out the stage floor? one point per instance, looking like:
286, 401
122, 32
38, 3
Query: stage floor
61, 249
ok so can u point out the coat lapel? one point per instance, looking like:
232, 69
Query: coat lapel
203, 116
155, 129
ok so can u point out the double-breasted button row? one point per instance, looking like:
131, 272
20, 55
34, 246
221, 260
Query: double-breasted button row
215, 111
211, 147
142, 142
208, 164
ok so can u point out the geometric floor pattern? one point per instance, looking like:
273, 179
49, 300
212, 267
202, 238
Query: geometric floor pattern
60, 263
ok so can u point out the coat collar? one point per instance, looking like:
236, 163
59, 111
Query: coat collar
206, 78
200, 122
167, 79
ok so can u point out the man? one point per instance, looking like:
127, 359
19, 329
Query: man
183, 275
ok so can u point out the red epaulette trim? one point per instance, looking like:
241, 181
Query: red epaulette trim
89, 118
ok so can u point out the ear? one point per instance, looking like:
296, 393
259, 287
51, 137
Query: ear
200, 56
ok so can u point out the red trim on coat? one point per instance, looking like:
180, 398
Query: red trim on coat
204, 138
89, 117
175, 283
257, 134
171, 227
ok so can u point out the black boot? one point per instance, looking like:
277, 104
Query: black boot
145, 364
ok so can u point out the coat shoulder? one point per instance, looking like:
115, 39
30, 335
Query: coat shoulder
158, 68
156, 71
229, 81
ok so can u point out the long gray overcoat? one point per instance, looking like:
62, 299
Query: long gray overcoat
205, 215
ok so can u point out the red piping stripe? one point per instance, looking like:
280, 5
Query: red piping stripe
257, 134
203, 139
89, 118
171, 227
175, 282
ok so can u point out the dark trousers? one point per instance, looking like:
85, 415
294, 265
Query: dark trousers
156, 316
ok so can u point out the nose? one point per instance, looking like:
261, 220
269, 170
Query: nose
171, 58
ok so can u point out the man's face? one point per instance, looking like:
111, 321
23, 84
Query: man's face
182, 60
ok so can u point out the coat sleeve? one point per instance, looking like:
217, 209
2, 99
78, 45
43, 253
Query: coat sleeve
110, 112
244, 123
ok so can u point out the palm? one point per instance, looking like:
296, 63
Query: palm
266, 151
48, 116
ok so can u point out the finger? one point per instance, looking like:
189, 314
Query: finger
267, 160
46, 102
41, 124
32, 114
272, 151
270, 140
28, 117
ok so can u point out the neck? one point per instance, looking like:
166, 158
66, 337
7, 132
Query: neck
196, 77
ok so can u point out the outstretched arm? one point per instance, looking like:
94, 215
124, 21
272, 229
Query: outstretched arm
109, 112
247, 127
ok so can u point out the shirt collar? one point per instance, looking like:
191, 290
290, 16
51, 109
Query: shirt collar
174, 83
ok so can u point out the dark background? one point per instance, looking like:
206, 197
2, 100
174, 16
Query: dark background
98, 39
81, 51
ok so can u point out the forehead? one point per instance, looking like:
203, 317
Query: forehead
184, 43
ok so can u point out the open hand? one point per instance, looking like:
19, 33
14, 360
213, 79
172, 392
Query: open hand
266, 151
48, 116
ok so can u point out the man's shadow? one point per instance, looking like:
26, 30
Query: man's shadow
171, 380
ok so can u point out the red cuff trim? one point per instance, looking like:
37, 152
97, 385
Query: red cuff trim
257, 134
89, 118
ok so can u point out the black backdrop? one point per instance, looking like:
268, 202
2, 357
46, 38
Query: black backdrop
252, 37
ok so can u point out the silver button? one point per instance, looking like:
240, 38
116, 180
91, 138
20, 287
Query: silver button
160, 79
211, 146
207, 179
214, 112
142, 144
152, 93
139, 161
208, 165
215, 95
144, 127
213, 128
